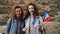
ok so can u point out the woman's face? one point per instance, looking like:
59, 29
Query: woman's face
31, 9
18, 12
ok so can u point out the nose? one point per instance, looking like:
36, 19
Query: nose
20, 11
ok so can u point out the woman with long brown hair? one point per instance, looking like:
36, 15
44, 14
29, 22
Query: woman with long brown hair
16, 23
33, 20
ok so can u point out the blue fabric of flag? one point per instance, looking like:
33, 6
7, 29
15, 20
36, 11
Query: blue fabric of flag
34, 22
45, 14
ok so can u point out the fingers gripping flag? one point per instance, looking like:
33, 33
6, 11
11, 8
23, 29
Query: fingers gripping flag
46, 16
35, 23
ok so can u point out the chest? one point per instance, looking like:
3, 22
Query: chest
17, 23
31, 20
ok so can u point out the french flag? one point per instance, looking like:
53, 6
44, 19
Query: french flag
46, 16
35, 23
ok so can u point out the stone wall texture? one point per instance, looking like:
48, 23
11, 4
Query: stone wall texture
53, 7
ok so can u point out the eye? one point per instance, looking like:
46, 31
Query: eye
32, 8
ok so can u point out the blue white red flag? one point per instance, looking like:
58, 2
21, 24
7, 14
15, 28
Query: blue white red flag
35, 23
46, 16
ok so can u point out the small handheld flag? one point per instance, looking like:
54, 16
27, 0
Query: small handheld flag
35, 23
46, 17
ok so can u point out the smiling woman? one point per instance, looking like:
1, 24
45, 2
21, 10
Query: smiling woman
16, 11
16, 23
33, 20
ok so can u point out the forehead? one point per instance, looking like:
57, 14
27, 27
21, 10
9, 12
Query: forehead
30, 6
18, 9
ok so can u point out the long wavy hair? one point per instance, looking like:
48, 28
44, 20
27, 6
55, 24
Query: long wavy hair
35, 11
12, 14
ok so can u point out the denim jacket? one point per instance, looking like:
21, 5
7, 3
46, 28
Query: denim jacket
12, 26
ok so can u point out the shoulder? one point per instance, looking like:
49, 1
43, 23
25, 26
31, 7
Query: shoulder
39, 17
9, 19
27, 18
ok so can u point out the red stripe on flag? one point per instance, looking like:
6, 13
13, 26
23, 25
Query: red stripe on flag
36, 26
47, 19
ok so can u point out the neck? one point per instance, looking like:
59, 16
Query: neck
31, 15
17, 17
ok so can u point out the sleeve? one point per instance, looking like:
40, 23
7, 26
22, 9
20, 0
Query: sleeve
27, 23
41, 20
41, 23
8, 26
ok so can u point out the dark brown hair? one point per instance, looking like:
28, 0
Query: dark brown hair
35, 10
